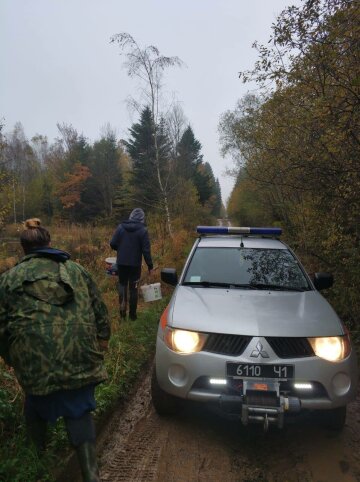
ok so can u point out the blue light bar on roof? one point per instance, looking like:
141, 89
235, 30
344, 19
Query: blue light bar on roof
237, 230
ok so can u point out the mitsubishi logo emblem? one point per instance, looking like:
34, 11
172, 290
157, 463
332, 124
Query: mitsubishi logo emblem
259, 351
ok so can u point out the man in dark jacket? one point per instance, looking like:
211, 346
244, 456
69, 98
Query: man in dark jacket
131, 241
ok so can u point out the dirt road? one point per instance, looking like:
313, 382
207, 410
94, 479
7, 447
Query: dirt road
201, 445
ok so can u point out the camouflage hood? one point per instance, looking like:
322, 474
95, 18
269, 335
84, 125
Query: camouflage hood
46, 281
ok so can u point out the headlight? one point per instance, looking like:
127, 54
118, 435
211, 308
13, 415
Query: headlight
184, 341
332, 348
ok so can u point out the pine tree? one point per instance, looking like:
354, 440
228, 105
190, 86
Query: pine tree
189, 157
141, 147
190, 166
106, 176
217, 201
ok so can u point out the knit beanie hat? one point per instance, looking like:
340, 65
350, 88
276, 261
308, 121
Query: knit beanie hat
138, 215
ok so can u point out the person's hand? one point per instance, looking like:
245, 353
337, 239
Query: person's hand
104, 345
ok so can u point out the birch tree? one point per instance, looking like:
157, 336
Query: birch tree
4, 180
147, 65
22, 165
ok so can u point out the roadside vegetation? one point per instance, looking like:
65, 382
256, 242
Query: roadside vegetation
296, 143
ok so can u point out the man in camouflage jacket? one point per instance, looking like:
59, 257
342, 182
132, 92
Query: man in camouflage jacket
52, 324
53, 329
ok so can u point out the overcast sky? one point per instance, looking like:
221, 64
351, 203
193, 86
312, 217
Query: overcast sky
58, 64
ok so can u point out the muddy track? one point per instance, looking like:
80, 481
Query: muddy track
202, 445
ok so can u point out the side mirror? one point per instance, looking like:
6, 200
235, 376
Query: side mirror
323, 281
169, 276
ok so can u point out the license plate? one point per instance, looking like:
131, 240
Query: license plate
254, 370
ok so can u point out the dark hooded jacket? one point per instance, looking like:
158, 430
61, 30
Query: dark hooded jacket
131, 241
51, 318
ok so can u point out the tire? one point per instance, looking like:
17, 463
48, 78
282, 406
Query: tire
334, 419
164, 403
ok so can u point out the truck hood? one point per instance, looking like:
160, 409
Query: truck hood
253, 312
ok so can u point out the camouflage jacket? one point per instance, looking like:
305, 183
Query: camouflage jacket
51, 318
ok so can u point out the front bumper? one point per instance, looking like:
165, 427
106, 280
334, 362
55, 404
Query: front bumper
187, 376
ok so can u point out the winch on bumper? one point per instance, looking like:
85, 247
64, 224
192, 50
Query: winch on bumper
264, 405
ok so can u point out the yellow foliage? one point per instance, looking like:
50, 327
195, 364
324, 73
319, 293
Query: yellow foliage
7, 263
86, 250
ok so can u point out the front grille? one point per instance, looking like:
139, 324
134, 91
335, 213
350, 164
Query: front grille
290, 347
233, 345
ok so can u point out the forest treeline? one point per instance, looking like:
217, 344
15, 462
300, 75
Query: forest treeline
158, 167
74, 180
296, 142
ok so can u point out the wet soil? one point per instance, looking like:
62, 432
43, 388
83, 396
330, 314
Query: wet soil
201, 444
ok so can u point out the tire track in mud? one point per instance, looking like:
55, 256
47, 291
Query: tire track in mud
129, 446
352, 440
138, 460
201, 445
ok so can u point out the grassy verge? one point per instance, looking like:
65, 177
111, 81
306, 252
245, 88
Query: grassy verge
131, 346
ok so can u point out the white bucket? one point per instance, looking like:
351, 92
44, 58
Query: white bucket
111, 260
151, 292
111, 267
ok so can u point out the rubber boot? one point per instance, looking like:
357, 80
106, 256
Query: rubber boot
36, 429
86, 453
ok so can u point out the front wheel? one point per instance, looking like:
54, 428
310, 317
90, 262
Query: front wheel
164, 403
334, 419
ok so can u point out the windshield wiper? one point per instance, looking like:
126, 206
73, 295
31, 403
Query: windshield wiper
246, 286
207, 284
216, 284
266, 286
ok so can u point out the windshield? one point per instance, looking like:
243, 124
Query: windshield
246, 268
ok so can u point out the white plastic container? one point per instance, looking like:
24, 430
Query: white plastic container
111, 260
111, 266
151, 292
